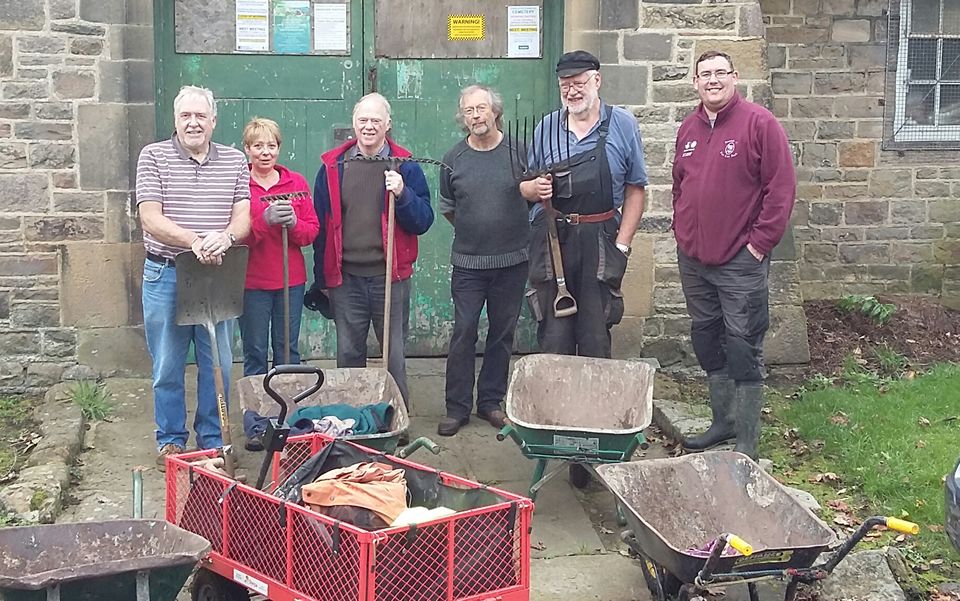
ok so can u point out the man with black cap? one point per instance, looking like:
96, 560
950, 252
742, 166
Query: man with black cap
591, 184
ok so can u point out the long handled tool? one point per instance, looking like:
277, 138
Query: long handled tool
388, 282
206, 295
285, 241
564, 305
392, 163
552, 165
284, 237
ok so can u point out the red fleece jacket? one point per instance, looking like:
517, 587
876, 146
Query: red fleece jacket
265, 267
733, 183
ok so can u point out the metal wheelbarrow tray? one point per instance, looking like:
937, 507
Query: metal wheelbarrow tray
578, 410
357, 387
683, 512
112, 560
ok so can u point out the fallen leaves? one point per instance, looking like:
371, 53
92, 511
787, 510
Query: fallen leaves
840, 419
824, 478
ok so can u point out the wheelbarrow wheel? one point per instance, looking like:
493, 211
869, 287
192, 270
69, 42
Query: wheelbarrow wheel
579, 476
662, 584
210, 586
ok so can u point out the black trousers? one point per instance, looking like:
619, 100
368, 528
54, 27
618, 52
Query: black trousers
594, 270
729, 306
501, 290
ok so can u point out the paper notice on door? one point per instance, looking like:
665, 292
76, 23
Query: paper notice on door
253, 25
330, 28
291, 26
523, 31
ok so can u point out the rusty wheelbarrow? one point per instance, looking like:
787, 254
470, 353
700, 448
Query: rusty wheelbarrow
146, 560
579, 411
703, 521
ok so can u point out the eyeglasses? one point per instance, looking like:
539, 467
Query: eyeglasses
576, 85
475, 110
720, 74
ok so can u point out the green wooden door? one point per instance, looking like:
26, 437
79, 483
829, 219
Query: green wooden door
311, 97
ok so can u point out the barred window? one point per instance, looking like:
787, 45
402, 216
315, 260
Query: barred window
924, 38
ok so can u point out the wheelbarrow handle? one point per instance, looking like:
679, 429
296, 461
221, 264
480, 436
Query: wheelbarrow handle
511, 431
421, 441
291, 369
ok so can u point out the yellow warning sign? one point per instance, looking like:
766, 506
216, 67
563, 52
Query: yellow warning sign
465, 27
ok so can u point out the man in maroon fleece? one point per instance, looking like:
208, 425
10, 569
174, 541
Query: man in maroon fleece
733, 190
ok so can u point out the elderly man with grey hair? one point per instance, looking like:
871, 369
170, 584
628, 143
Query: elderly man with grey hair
491, 229
193, 195
349, 255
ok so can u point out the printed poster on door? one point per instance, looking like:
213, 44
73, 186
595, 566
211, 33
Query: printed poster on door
291, 26
523, 31
253, 25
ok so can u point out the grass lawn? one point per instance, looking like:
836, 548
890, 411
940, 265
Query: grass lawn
866, 444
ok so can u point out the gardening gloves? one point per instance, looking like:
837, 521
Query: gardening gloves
280, 213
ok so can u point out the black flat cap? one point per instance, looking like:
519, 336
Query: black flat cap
576, 62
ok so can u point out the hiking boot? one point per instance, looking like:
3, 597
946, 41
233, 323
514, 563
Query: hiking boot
749, 407
723, 426
449, 426
167, 449
253, 443
496, 418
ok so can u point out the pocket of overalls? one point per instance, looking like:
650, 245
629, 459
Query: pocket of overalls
533, 304
541, 268
613, 263
614, 312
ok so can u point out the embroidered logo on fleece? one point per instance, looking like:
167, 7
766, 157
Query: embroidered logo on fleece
729, 149
688, 148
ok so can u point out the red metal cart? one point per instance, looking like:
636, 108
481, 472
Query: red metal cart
287, 552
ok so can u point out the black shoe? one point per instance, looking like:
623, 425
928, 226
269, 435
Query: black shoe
404, 438
253, 443
496, 418
449, 426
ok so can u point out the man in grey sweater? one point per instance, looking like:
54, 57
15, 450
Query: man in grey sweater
491, 231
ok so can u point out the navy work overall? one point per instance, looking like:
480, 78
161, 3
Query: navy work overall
587, 229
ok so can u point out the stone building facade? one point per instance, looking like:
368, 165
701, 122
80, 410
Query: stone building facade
76, 105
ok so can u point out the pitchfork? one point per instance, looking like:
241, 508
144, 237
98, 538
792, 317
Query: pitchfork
541, 161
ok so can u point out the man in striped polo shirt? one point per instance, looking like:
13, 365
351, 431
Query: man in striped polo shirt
193, 195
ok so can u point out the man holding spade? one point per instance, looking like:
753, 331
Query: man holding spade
192, 195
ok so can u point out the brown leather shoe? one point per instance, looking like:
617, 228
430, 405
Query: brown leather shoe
496, 418
167, 449
449, 426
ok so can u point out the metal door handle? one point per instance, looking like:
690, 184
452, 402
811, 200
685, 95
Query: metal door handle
372, 78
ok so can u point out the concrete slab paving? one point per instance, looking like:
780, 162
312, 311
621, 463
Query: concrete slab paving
608, 577
560, 524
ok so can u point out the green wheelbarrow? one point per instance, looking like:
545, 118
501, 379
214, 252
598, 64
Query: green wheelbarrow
145, 560
578, 411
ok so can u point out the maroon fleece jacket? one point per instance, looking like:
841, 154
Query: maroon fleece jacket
733, 183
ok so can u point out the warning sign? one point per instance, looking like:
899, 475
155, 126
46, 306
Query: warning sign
465, 27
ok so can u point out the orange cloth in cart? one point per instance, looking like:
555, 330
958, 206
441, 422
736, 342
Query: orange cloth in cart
374, 486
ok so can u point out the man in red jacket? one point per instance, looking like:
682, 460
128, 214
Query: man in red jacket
350, 198
733, 190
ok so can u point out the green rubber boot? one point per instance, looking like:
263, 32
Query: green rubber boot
723, 427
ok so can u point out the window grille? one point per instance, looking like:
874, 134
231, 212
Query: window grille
924, 39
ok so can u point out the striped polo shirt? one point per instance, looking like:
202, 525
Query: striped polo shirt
195, 196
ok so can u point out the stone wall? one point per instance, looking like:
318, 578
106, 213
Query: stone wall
647, 51
76, 98
868, 220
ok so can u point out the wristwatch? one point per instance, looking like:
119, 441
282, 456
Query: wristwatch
233, 239
624, 249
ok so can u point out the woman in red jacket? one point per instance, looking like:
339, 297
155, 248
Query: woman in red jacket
262, 321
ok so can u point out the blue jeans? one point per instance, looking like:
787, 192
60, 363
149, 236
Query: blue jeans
261, 327
169, 344
502, 291
357, 302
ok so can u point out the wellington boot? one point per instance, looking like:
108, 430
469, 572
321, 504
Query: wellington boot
749, 407
723, 427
